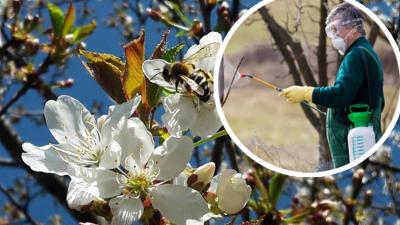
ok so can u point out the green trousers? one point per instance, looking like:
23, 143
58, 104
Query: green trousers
337, 131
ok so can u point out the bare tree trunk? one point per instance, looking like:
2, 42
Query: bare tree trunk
324, 159
293, 54
373, 34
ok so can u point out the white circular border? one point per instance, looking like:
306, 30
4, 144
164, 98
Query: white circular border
261, 161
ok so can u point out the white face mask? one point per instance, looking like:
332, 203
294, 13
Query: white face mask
339, 44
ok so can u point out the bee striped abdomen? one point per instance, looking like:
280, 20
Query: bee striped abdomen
201, 80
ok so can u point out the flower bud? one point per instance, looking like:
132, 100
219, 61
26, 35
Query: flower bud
250, 180
224, 6
329, 180
69, 38
155, 14
357, 180
211, 3
232, 191
32, 45
210, 197
368, 198
196, 29
201, 177
65, 83
327, 204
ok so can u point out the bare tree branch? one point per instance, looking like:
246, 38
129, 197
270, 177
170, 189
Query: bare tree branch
53, 184
16, 203
9, 163
283, 40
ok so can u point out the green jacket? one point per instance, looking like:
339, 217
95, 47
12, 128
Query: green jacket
351, 86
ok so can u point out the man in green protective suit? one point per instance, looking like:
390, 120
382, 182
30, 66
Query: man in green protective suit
358, 80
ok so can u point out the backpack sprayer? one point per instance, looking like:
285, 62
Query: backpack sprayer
361, 136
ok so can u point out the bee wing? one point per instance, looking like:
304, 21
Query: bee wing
206, 51
193, 85
153, 69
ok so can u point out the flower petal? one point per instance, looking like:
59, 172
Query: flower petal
125, 210
172, 157
134, 138
78, 197
180, 205
232, 184
181, 179
153, 69
214, 183
180, 113
208, 121
206, 63
115, 114
111, 157
98, 182
68, 120
44, 159
126, 109
224, 180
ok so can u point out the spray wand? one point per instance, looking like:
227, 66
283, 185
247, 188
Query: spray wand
265, 83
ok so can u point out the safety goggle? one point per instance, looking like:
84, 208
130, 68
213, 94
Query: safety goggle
335, 27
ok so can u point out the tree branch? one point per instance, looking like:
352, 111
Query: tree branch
16, 203
53, 184
9, 163
282, 40
205, 12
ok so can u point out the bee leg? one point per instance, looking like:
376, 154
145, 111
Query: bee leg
196, 102
176, 85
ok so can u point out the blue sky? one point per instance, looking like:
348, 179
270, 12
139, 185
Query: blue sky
85, 89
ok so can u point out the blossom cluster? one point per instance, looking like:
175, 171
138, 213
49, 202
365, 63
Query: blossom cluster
115, 160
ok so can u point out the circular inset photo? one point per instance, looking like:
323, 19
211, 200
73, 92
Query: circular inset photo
308, 88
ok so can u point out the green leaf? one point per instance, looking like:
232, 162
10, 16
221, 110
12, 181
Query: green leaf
69, 19
275, 187
57, 18
181, 33
84, 31
154, 93
171, 53
107, 70
298, 218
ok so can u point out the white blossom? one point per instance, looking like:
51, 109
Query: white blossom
184, 113
144, 175
228, 184
81, 140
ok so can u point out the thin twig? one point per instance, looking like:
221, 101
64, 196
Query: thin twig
9, 163
205, 12
15, 98
233, 79
15, 202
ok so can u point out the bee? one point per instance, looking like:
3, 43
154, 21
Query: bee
184, 76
